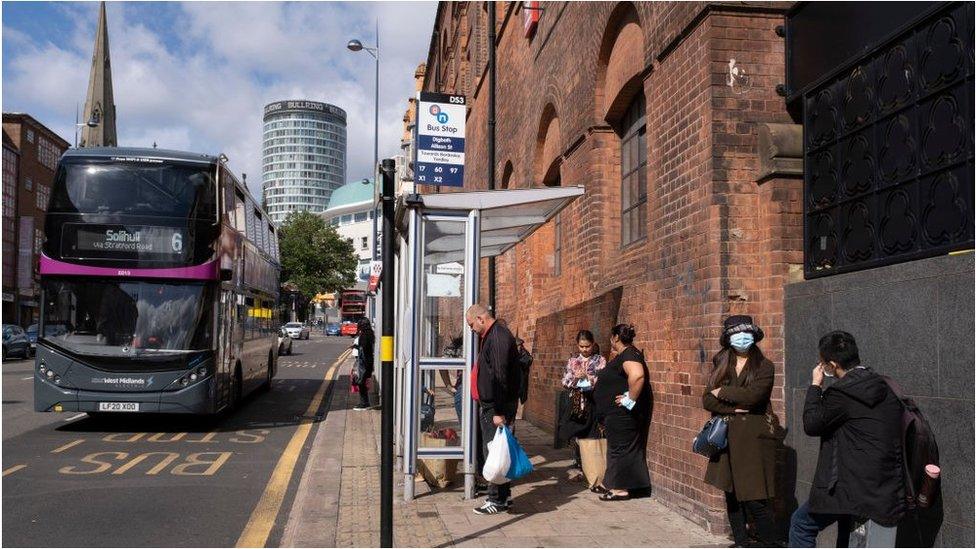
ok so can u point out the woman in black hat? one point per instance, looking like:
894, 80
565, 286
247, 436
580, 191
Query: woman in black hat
739, 388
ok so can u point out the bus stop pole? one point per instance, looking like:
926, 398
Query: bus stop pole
386, 356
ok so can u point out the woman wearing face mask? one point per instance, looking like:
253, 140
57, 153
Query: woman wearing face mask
623, 403
739, 388
576, 419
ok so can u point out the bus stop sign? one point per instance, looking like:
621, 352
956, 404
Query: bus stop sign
440, 139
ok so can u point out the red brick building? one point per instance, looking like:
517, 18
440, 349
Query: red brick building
656, 108
30, 157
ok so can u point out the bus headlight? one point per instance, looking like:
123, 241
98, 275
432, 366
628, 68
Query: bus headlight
193, 376
201, 371
49, 374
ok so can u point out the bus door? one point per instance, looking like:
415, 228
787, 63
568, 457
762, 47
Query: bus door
226, 350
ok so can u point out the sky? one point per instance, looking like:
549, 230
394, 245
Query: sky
195, 76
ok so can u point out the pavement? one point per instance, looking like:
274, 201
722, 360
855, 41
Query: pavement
337, 500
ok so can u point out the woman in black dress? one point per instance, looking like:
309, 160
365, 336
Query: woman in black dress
623, 401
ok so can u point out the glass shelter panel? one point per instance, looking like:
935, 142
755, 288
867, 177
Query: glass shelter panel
439, 415
442, 289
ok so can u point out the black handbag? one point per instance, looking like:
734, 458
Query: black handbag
713, 438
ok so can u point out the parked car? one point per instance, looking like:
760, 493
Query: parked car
332, 329
50, 330
349, 329
297, 330
284, 343
15, 342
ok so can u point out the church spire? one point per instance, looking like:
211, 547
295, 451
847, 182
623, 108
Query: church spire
99, 104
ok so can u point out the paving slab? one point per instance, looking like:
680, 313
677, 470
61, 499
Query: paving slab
343, 510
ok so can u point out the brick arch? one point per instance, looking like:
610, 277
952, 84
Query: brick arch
620, 64
548, 146
507, 175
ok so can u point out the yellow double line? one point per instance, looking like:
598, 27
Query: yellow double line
263, 517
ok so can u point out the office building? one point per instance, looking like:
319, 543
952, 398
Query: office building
304, 156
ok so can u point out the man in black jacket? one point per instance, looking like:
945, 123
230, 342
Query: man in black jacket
495, 385
859, 469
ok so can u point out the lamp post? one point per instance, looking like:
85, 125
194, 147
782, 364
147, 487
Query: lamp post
92, 123
356, 45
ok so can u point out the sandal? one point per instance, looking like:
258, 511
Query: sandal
610, 496
599, 489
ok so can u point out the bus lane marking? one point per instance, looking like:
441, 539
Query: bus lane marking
13, 469
263, 517
67, 446
196, 464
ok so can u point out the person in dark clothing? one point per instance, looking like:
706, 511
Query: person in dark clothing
739, 389
623, 400
859, 468
495, 385
365, 341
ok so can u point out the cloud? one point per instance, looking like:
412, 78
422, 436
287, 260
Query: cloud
197, 75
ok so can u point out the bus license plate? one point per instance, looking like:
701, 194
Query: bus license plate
118, 406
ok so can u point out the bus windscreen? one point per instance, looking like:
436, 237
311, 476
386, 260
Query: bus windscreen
185, 191
128, 318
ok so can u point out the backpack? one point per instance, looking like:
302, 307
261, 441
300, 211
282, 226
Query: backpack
918, 445
524, 363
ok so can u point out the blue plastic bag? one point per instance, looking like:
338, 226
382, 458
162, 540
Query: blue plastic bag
521, 465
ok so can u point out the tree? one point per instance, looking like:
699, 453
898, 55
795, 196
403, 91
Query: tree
314, 258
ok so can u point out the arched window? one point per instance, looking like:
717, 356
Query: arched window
633, 173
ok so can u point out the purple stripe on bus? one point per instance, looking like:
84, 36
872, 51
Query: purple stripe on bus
206, 271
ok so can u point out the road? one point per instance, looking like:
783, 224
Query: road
141, 480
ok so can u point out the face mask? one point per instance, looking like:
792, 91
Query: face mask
741, 341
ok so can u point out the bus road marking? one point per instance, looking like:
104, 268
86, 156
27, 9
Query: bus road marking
79, 416
263, 517
67, 446
13, 469
26, 378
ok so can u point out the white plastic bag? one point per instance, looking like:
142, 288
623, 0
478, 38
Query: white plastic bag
499, 460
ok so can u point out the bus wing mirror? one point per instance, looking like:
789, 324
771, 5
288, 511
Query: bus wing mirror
226, 274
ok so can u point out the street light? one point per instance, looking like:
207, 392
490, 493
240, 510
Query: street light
92, 123
356, 45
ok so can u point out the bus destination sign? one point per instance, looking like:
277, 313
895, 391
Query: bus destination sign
440, 140
81, 241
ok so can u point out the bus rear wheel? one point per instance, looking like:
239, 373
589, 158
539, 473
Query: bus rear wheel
266, 386
236, 389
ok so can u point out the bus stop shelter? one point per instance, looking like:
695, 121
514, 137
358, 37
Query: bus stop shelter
442, 238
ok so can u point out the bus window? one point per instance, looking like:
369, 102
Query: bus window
227, 184
250, 221
239, 218
259, 230
272, 242
266, 234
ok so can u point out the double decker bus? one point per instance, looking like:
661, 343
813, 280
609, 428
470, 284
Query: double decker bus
352, 307
160, 272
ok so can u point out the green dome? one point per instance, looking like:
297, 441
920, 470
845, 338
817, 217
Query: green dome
351, 193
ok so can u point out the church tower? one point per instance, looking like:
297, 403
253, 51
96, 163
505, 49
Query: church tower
99, 104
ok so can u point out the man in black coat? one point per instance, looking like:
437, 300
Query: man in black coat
495, 385
859, 469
